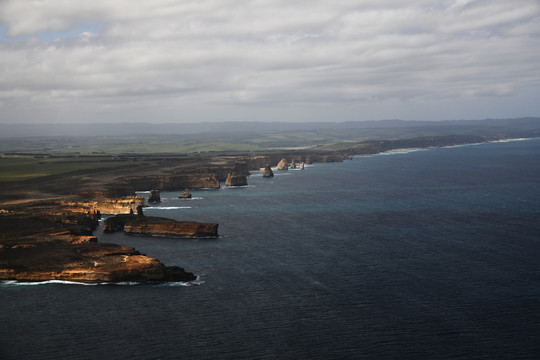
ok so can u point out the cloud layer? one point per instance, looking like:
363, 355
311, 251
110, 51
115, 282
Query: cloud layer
68, 60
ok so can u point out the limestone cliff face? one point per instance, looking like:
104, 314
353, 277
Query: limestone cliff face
52, 240
149, 225
236, 179
258, 162
93, 263
173, 182
111, 206
113, 191
241, 168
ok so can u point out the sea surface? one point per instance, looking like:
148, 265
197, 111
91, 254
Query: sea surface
423, 254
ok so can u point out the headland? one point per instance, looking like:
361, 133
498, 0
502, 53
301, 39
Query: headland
48, 212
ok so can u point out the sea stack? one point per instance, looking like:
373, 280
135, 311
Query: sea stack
268, 171
293, 164
236, 179
283, 165
154, 196
185, 195
302, 166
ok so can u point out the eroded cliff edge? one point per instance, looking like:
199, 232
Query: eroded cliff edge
158, 226
53, 241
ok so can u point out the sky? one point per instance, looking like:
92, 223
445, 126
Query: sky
75, 61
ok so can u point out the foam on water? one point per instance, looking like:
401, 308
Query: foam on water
197, 281
237, 187
9, 283
15, 283
510, 140
400, 151
166, 208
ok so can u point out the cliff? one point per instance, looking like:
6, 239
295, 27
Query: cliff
50, 241
149, 225
111, 206
92, 263
172, 182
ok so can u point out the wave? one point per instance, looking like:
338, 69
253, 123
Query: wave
142, 192
238, 187
510, 140
14, 283
166, 207
197, 281
191, 198
63, 282
400, 151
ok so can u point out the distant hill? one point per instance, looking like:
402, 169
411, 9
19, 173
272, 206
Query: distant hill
146, 129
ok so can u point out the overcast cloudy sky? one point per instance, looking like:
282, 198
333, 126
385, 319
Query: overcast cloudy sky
268, 60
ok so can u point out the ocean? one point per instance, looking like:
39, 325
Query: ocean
418, 254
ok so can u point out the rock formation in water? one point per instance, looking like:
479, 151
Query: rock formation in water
268, 171
236, 179
185, 195
302, 166
48, 241
155, 197
157, 226
92, 262
282, 165
293, 164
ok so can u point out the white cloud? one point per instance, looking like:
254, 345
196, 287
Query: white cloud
166, 56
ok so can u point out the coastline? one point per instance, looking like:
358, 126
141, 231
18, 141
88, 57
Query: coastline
77, 215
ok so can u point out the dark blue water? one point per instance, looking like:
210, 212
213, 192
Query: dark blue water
432, 254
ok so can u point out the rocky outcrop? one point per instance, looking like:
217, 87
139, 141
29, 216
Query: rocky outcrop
185, 195
282, 165
173, 182
293, 164
157, 226
112, 191
302, 166
236, 179
258, 162
81, 239
91, 263
241, 168
154, 196
268, 171
52, 241
111, 206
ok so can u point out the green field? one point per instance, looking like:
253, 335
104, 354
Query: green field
25, 158
20, 168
